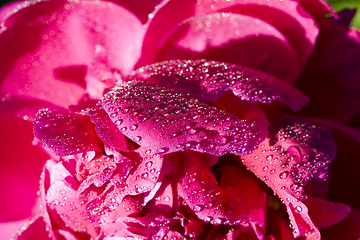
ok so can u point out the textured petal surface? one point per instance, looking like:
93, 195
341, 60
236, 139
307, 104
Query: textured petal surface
51, 47
61, 197
142, 178
77, 132
166, 121
296, 152
209, 80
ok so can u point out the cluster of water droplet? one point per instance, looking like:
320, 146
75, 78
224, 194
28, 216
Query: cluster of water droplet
169, 121
209, 80
76, 131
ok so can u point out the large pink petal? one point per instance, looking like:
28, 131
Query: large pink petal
331, 76
287, 16
65, 133
167, 121
247, 41
49, 49
209, 80
295, 152
20, 168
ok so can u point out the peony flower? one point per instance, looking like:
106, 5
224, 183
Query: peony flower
178, 120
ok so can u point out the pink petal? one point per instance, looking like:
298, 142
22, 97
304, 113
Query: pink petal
8, 229
142, 178
291, 19
106, 130
295, 152
141, 8
219, 204
20, 167
209, 80
330, 78
37, 228
8, 8
325, 213
75, 39
65, 133
62, 198
169, 121
246, 40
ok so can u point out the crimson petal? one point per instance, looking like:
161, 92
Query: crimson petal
169, 121
37, 228
65, 133
209, 80
295, 152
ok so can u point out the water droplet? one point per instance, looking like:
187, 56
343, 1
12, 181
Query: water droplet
133, 127
298, 209
166, 199
137, 138
144, 175
198, 208
149, 164
163, 150
284, 175
118, 122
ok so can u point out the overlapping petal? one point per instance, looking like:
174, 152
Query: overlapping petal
48, 48
166, 121
77, 132
209, 80
295, 152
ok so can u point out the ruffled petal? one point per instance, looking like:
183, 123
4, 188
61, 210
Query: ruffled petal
295, 152
142, 178
209, 80
51, 47
65, 133
168, 121
61, 197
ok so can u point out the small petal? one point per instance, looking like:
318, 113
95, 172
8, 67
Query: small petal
37, 228
209, 80
170, 121
77, 133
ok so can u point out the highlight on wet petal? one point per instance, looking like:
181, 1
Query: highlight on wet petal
168, 121
295, 152
64, 132
209, 80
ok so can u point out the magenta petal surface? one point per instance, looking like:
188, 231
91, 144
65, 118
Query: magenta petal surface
61, 197
48, 48
295, 152
168, 121
77, 132
209, 80
142, 178
36, 228
106, 130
